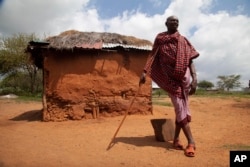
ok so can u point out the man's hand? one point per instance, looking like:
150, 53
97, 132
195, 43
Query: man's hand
193, 86
142, 79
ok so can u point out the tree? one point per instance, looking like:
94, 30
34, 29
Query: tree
229, 82
15, 62
205, 84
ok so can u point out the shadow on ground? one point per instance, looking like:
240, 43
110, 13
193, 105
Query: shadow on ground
33, 115
242, 105
144, 141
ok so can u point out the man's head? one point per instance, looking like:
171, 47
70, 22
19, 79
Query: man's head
172, 23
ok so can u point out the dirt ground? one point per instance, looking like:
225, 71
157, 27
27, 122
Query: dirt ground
219, 125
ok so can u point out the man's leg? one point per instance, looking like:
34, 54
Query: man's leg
177, 145
190, 149
177, 132
187, 131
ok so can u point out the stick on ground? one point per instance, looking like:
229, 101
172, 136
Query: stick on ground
112, 143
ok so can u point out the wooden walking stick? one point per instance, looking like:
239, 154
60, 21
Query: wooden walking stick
111, 144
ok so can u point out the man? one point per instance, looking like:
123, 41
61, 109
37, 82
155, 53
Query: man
171, 66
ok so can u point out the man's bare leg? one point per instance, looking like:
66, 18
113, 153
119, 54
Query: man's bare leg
176, 143
187, 131
177, 132
189, 151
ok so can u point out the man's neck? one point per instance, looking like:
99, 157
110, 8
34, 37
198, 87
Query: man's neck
171, 32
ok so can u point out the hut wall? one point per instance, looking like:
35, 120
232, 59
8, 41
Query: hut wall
91, 84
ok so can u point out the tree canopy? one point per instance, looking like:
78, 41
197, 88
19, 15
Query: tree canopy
229, 82
205, 84
15, 64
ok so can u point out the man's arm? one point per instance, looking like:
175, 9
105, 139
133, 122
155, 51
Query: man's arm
149, 61
193, 84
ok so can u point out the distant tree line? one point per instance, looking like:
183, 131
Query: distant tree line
225, 83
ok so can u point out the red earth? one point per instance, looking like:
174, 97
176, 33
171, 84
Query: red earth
219, 125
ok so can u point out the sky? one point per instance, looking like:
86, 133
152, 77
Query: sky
218, 29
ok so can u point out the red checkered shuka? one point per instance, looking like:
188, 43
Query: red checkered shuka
169, 60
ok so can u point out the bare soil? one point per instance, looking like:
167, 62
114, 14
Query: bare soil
219, 125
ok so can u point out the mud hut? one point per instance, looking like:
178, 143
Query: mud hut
91, 75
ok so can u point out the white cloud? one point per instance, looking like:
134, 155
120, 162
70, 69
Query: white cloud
223, 41
221, 38
137, 24
40, 16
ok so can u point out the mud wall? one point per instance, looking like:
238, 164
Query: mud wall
90, 84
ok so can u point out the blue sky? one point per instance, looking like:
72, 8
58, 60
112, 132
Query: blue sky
232, 6
152, 7
118, 7
219, 29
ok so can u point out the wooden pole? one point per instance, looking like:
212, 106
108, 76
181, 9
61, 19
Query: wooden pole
111, 144
44, 91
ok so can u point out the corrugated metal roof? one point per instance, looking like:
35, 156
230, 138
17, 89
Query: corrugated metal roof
113, 45
97, 45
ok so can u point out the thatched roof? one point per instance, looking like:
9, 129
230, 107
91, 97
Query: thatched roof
96, 40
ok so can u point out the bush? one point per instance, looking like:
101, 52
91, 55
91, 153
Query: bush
19, 84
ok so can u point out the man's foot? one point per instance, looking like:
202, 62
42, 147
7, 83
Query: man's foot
177, 145
189, 151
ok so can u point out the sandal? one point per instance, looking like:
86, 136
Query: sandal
189, 151
177, 145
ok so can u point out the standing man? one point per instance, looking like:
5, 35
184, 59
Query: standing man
171, 66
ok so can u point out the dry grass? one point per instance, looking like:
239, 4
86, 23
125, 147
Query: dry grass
70, 39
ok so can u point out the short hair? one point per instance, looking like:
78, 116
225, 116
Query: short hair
169, 18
